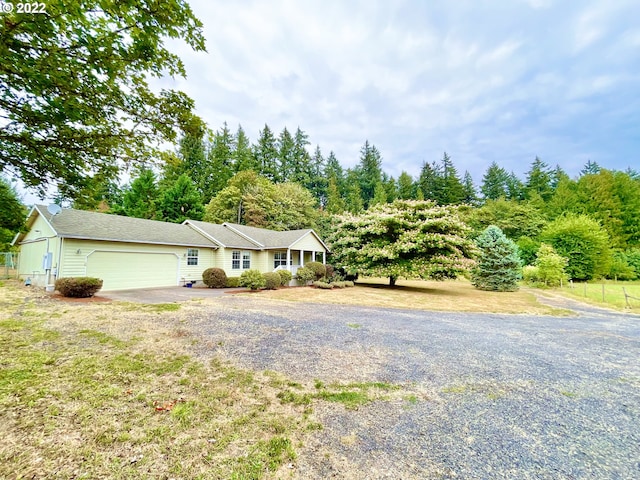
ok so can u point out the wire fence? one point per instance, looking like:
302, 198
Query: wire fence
8, 265
626, 296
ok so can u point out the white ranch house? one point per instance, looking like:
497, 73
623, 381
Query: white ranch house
129, 253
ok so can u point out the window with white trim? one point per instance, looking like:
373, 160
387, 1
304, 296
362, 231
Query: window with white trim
246, 260
279, 259
235, 260
192, 256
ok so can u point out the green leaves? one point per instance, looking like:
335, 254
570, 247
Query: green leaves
74, 90
409, 239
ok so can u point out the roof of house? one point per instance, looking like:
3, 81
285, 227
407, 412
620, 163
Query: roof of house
86, 225
71, 223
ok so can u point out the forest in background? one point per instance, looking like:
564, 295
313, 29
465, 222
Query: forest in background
278, 182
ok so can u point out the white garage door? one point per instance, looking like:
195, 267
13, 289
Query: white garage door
122, 270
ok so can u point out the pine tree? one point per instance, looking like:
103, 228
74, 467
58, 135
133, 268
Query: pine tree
301, 169
266, 154
192, 152
538, 181
242, 155
494, 182
369, 172
318, 183
498, 268
286, 156
180, 202
430, 182
452, 192
406, 187
220, 162
353, 194
141, 198
469, 189
590, 168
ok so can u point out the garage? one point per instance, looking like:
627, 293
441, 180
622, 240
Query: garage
124, 270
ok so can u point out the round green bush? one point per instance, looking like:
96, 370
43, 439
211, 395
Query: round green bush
78, 287
329, 271
271, 280
305, 275
214, 278
285, 277
252, 279
233, 282
318, 269
323, 285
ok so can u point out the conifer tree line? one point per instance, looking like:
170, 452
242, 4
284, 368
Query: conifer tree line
280, 181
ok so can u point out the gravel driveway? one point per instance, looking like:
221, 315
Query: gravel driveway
488, 396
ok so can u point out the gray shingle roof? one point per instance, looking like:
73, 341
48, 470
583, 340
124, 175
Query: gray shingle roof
223, 235
270, 238
70, 223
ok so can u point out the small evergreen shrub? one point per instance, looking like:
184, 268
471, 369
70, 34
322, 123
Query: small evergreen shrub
214, 278
232, 282
323, 285
305, 275
349, 284
271, 280
498, 267
339, 284
285, 277
78, 287
252, 279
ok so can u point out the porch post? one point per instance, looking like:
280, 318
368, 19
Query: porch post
289, 259
302, 258
324, 257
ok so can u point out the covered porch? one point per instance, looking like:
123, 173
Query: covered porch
292, 260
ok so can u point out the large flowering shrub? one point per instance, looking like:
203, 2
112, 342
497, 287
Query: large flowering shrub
406, 238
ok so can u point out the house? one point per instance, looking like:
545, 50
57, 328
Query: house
130, 252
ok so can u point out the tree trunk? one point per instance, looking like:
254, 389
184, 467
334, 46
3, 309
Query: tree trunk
392, 281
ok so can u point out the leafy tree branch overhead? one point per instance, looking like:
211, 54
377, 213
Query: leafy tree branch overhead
75, 99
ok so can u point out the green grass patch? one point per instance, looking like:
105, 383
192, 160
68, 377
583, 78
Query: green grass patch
354, 325
614, 293
149, 307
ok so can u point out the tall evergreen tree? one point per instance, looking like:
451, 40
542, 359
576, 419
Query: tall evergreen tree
353, 194
141, 198
180, 202
266, 154
286, 156
406, 187
538, 180
515, 188
469, 189
12, 214
452, 192
590, 168
243, 158
220, 162
318, 183
494, 182
192, 152
333, 169
301, 170
430, 181
369, 171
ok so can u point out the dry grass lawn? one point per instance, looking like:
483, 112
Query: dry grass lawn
449, 296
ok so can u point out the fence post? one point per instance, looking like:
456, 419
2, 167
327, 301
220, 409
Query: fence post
626, 297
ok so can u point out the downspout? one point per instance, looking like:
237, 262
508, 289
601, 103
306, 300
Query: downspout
59, 259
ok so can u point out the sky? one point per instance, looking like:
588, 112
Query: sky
485, 81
